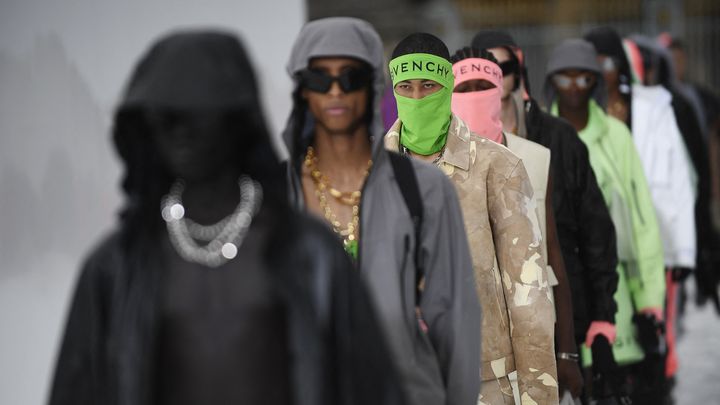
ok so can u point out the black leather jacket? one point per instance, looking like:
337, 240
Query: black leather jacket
585, 230
335, 342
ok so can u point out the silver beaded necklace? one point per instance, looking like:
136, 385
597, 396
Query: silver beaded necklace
222, 238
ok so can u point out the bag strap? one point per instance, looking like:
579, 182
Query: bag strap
407, 181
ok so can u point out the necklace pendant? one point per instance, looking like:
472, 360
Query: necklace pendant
229, 250
351, 247
177, 211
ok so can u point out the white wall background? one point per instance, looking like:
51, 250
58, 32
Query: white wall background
63, 65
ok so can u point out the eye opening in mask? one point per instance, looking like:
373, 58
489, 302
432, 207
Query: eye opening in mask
350, 80
582, 82
476, 85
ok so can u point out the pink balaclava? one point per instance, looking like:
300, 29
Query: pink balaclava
480, 110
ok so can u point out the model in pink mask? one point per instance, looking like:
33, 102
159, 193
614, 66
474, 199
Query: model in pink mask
477, 98
477, 95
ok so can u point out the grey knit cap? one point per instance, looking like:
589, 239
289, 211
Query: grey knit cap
578, 54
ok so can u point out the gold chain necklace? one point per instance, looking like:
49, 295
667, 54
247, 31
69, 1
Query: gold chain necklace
351, 198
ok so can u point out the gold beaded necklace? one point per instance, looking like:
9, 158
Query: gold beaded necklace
351, 198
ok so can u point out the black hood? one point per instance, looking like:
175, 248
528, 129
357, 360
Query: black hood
487, 39
193, 70
657, 56
608, 42
189, 71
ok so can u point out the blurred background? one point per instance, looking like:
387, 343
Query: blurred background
63, 65
538, 25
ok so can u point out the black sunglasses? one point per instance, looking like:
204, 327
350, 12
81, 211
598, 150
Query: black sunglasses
509, 67
350, 80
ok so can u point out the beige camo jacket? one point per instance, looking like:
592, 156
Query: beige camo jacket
510, 273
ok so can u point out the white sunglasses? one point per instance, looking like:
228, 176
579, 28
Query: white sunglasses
582, 82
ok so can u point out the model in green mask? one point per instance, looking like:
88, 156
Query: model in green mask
425, 121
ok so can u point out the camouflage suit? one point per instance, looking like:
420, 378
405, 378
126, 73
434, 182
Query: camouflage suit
510, 273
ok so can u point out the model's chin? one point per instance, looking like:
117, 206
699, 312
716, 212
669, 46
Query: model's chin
340, 125
576, 102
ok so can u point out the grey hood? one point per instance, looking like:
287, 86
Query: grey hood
574, 54
339, 37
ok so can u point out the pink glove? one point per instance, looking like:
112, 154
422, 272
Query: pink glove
606, 329
656, 312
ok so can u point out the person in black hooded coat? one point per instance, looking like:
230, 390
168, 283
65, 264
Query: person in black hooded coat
155, 319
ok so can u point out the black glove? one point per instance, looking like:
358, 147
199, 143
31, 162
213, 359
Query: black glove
602, 355
707, 284
609, 387
651, 333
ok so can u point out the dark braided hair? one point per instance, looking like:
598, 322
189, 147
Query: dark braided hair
470, 52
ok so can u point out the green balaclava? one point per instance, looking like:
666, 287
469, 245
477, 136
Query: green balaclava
425, 122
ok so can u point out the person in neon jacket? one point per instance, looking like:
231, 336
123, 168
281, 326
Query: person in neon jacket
574, 90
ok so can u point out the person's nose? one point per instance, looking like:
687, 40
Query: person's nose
417, 92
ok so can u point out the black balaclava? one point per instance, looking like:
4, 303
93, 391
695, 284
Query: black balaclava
608, 42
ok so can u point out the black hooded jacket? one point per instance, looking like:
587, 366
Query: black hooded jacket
585, 230
109, 352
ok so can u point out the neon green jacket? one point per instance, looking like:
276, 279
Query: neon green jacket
641, 270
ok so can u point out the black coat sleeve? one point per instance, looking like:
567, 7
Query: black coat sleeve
340, 354
596, 237
363, 354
